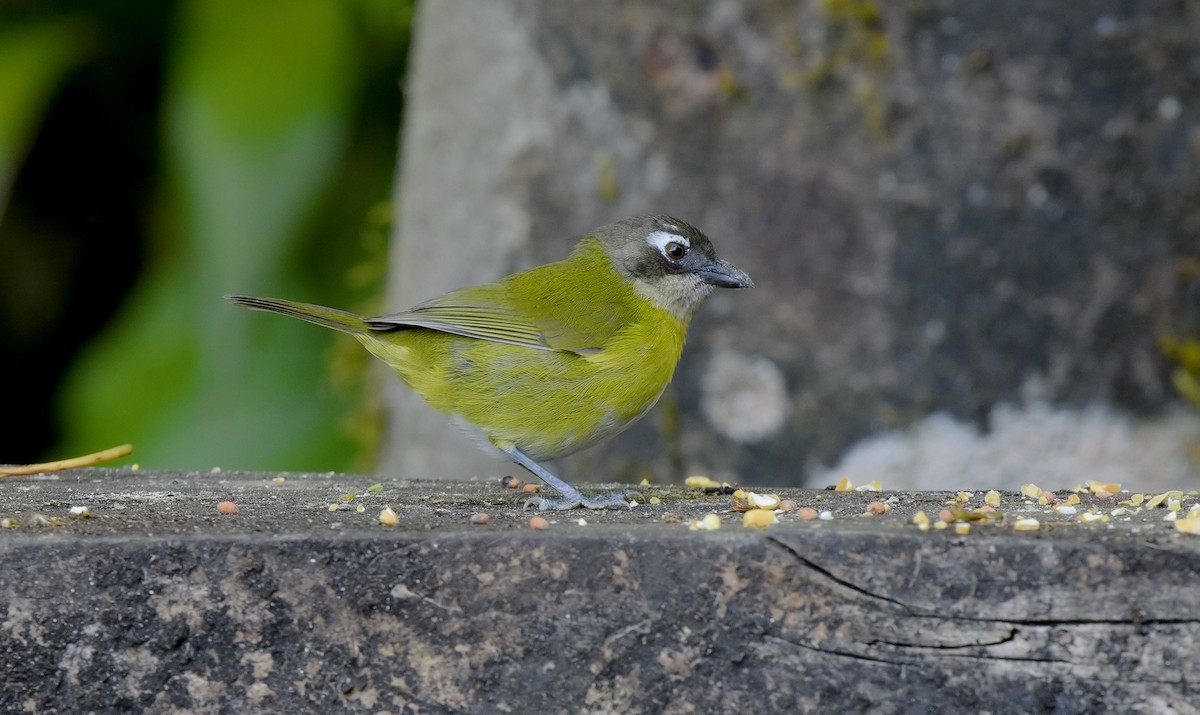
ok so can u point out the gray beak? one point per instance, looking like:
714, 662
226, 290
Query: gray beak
724, 275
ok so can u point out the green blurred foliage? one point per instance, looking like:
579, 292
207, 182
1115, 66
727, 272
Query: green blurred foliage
33, 60
279, 121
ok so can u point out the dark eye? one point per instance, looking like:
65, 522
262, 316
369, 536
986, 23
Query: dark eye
675, 251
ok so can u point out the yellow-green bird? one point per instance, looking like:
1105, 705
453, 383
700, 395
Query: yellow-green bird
555, 359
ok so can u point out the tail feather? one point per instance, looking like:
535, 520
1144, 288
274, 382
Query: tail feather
319, 314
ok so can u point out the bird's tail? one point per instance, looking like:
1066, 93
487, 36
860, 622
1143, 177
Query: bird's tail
319, 314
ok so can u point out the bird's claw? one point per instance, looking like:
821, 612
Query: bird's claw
573, 501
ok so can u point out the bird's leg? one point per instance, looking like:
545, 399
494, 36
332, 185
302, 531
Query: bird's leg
570, 497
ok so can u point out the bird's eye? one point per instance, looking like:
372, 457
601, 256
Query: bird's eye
675, 251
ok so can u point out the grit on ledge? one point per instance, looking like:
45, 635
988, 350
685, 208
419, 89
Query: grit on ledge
1050, 446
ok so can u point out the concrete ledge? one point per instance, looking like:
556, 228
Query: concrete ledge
156, 603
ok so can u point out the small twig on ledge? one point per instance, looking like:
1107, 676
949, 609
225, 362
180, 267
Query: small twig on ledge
72, 463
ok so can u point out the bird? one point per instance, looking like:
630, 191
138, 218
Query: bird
556, 358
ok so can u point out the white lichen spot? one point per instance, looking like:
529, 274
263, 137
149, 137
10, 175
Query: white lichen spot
744, 396
1169, 108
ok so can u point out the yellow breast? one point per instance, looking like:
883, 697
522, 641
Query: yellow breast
548, 403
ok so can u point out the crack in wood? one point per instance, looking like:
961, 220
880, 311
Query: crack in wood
812, 565
1010, 637
914, 654
942, 616
831, 651
1061, 622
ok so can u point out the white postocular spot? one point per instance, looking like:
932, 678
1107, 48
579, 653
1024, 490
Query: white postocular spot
660, 239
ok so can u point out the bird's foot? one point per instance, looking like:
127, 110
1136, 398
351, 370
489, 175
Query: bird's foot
577, 500
569, 497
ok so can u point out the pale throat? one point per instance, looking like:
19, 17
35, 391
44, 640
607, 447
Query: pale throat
679, 295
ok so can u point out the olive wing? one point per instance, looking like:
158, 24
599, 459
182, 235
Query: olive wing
542, 317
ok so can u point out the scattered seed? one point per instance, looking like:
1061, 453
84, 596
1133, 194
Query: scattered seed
1188, 525
279, 480
979, 513
1031, 491
786, 505
877, 508
758, 518
655, 500
701, 483
762, 501
1027, 525
992, 499
531, 489
539, 523
227, 507
1157, 500
387, 517
710, 522
825, 516
806, 513
479, 518
511, 482
962, 528
81, 511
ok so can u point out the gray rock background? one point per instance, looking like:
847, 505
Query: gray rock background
957, 212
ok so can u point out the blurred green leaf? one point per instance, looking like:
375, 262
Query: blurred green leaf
257, 115
34, 59
257, 110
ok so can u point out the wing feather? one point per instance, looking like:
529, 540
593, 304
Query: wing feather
543, 308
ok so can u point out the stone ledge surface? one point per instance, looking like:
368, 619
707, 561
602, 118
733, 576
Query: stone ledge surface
157, 603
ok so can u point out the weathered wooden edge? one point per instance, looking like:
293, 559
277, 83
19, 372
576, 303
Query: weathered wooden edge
604, 622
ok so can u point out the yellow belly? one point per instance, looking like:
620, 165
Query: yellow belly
548, 403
